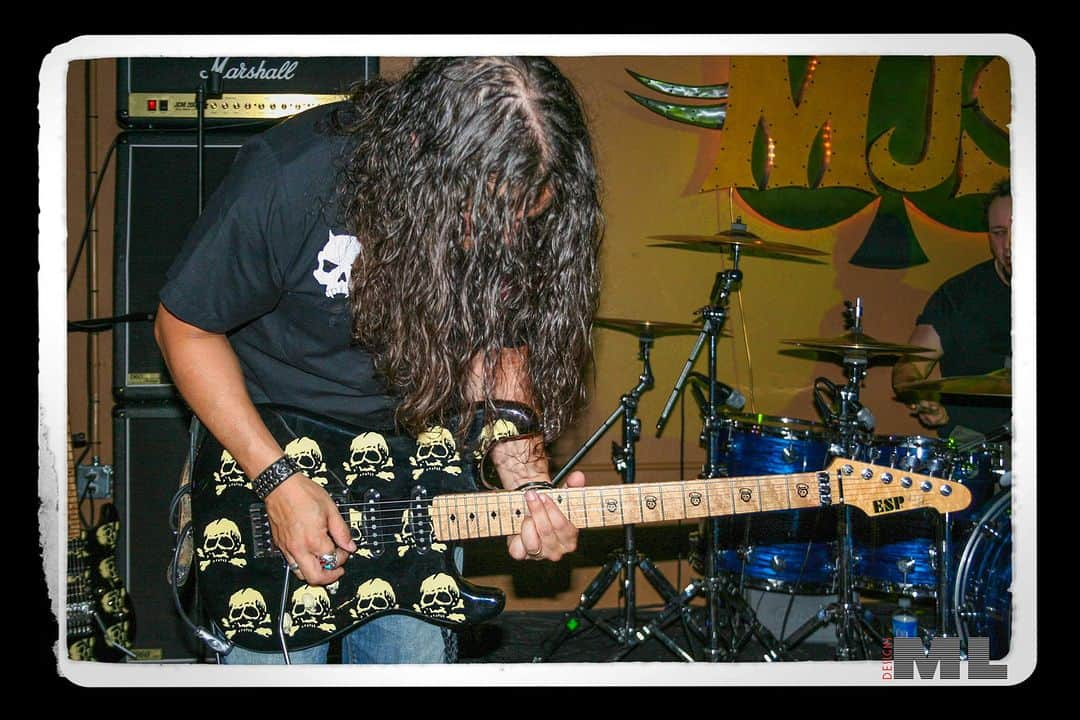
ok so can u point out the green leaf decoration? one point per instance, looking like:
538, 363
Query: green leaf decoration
890, 242
706, 116
798, 67
701, 92
806, 209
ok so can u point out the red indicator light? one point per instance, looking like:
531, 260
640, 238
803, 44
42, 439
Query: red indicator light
151, 104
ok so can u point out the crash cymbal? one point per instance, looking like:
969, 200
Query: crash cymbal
857, 342
647, 328
740, 238
993, 384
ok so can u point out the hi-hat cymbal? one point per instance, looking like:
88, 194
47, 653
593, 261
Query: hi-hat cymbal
857, 342
647, 328
993, 384
739, 238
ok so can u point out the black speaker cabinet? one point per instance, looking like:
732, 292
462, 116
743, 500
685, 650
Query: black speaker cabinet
151, 444
160, 92
156, 205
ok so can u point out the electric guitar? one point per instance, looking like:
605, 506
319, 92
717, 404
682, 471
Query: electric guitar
99, 617
407, 500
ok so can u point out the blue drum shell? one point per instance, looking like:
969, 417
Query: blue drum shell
790, 550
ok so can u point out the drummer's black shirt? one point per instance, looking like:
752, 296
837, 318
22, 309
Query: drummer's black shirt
972, 314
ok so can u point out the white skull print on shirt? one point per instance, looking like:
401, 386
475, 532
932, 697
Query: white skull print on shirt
334, 264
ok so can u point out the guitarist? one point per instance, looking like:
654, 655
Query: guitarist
383, 262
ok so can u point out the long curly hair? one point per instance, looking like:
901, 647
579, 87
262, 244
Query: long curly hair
473, 191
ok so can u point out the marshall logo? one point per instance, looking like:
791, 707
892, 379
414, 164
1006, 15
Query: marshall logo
611, 505
695, 498
802, 489
650, 502
285, 71
889, 504
745, 494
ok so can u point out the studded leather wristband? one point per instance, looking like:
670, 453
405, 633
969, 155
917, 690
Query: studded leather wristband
278, 472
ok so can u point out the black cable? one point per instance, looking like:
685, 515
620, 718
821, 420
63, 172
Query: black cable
219, 645
93, 325
83, 455
90, 210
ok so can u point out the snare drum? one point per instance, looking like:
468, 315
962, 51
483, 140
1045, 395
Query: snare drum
784, 551
982, 595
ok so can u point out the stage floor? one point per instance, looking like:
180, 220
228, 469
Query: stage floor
522, 637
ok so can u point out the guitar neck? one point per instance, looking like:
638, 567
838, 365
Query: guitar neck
479, 515
74, 525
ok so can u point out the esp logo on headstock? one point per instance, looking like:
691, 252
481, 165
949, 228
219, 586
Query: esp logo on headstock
885, 505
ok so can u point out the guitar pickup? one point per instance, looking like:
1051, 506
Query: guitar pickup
262, 540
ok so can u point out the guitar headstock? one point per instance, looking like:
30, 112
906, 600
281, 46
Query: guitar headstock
879, 490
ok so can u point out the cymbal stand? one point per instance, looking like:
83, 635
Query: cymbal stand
627, 559
853, 630
719, 592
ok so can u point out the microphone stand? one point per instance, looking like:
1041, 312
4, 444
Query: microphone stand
625, 560
718, 590
853, 629
205, 90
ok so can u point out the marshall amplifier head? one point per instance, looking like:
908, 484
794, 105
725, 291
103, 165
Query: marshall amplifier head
156, 92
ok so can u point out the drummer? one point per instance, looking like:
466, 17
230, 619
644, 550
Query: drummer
967, 322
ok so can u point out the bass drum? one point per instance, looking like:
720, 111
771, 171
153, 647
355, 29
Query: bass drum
982, 594
784, 551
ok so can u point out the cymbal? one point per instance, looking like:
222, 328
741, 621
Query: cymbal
738, 238
993, 384
647, 328
857, 342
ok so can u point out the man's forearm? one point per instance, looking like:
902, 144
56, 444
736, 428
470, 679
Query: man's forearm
208, 375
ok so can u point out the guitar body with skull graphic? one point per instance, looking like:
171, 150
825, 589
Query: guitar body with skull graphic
383, 484
406, 499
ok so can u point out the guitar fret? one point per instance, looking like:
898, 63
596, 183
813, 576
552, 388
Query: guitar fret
456, 517
590, 516
635, 510
694, 492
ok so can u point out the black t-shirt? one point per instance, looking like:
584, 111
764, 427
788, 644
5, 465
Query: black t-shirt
268, 262
972, 314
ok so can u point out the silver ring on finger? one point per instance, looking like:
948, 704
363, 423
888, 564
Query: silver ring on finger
328, 560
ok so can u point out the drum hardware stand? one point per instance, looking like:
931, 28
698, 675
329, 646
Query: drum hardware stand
851, 419
717, 590
626, 559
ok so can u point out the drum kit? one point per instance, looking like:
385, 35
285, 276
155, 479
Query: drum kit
960, 562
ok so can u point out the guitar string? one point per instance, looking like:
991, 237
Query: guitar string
385, 528
380, 535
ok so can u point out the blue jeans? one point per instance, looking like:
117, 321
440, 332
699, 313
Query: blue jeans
391, 639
